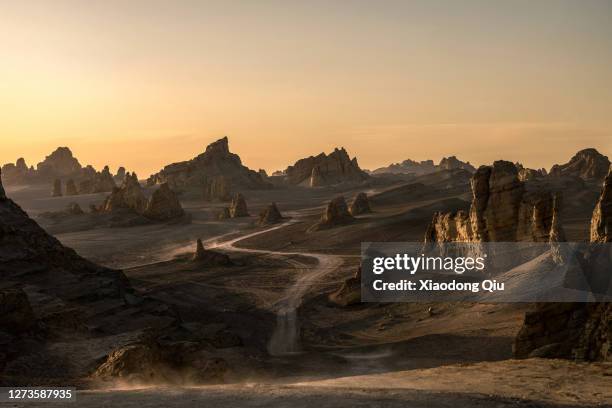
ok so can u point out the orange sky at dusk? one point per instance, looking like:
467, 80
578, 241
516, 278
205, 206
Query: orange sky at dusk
146, 83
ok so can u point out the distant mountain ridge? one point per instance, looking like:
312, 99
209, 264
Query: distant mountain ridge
425, 167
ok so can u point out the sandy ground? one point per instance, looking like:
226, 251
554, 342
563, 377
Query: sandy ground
368, 355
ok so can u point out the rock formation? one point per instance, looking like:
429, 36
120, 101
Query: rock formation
71, 188
601, 222
208, 257
2, 192
526, 174
360, 205
57, 188
61, 163
580, 331
502, 210
17, 173
452, 163
217, 188
224, 214
349, 293
426, 166
587, 164
120, 176
271, 215
216, 161
74, 209
336, 214
238, 208
337, 167
163, 205
128, 196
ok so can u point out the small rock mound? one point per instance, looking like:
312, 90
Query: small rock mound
360, 205
163, 205
57, 188
208, 257
350, 291
224, 214
238, 207
270, 215
74, 209
336, 213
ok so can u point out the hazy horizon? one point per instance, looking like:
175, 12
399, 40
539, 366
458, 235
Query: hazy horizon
146, 83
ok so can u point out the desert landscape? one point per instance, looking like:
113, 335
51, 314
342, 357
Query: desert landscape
306, 203
211, 282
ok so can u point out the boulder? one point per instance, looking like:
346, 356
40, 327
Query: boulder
336, 213
271, 215
163, 205
337, 167
587, 164
360, 205
71, 188
57, 188
238, 208
208, 257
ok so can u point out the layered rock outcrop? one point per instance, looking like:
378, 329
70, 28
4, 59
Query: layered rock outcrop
163, 205
601, 222
217, 188
580, 331
216, 161
502, 210
336, 213
360, 205
271, 215
452, 163
238, 208
587, 164
59, 164
337, 167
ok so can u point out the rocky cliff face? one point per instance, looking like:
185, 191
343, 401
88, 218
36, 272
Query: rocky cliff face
57, 188
601, 222
580, 331
452, 163
502, 209
216, 161
217, 188
588, 164
313, 171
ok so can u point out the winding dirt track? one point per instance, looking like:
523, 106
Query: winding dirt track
285, 339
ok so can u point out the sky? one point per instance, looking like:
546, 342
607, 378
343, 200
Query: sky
146, 83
